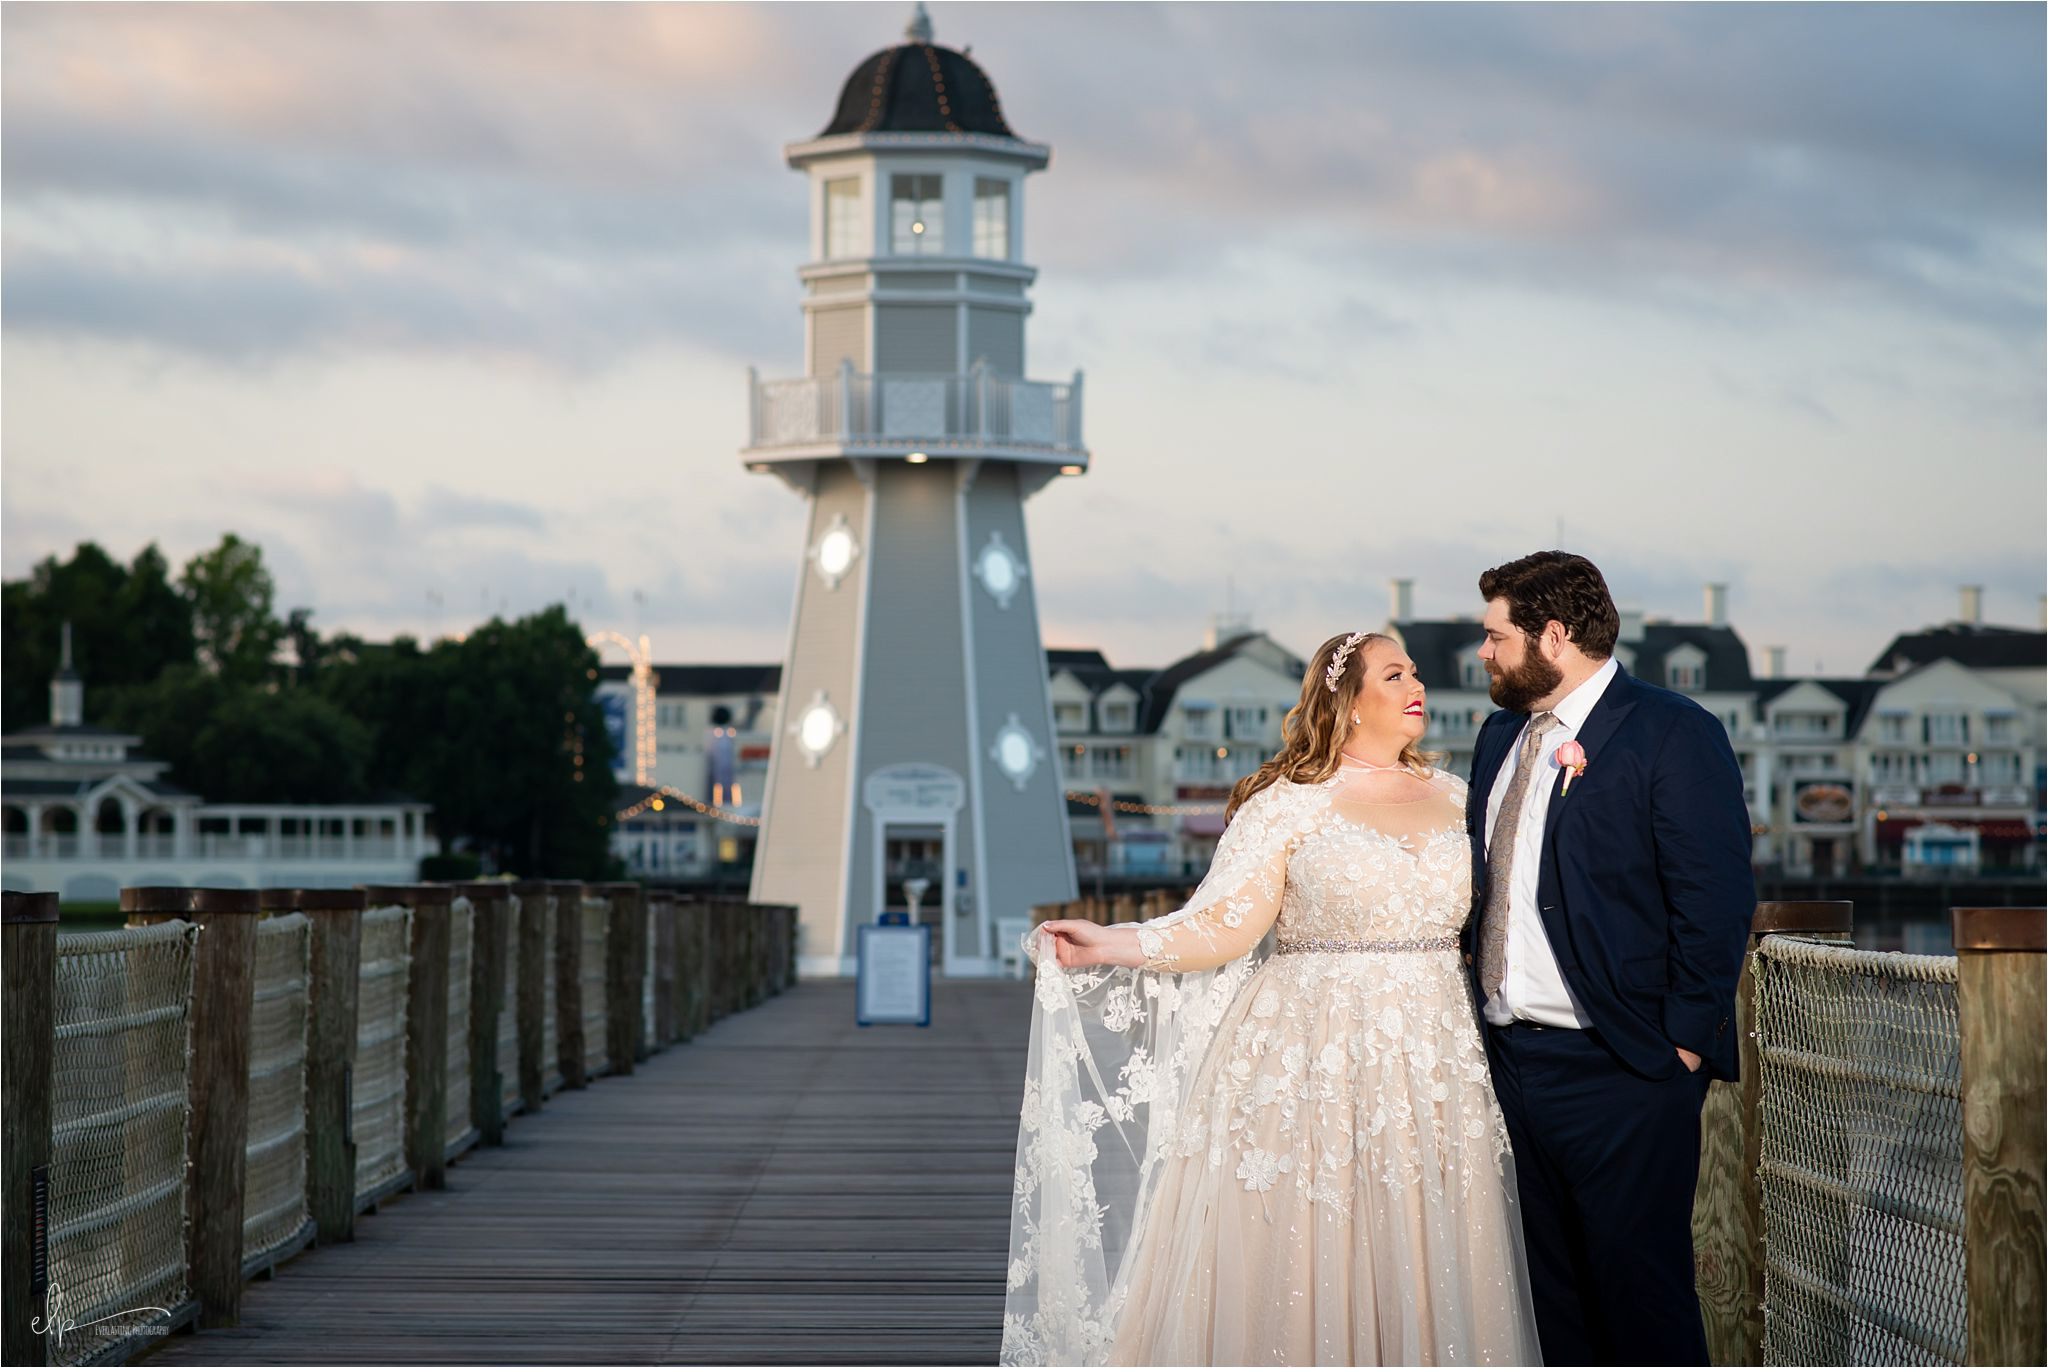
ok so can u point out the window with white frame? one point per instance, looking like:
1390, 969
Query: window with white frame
1244, 722
1116, 717
1949, 727
1070, 717
1684, 675
917, 215
1472, 671
1112, 762
1198, 719
1998, 729
843, 235
992, 219
1891, 728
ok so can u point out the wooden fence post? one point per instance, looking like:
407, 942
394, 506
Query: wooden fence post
1727, 1214
334, 966
223, 1001
2001, 996
624, 922
27, 1112
663, 951
689, 966
536, 962
569, 981
426, 1028
489, 929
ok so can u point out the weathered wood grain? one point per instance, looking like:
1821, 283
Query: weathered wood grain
569, 1043
536, 961
334, 967
223, 1004
788, 1188
2002, 1013
28, 958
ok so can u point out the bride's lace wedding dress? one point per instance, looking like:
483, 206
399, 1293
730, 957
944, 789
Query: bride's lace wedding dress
1281, 1151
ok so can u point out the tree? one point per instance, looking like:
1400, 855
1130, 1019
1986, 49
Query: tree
247, 743
231, 593
128, 626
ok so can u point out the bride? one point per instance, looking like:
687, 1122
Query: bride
1230, 1154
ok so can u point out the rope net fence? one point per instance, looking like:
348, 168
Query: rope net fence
508, 1013
461, 953
596, 914
274, 1186
647, 981
1862, 1155
377, 1109
122, 1019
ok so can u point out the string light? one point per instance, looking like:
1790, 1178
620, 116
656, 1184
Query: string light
653, 802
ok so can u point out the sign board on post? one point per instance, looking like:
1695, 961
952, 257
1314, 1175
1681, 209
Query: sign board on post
894, 984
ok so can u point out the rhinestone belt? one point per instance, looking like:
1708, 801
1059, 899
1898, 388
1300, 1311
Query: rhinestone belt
1316, 945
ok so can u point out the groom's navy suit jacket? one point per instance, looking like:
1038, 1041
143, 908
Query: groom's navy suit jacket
1646, 890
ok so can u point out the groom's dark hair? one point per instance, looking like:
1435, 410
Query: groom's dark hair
1557, 586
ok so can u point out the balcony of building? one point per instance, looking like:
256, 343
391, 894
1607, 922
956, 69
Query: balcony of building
968, 414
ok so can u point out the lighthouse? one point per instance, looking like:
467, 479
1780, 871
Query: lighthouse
914, 763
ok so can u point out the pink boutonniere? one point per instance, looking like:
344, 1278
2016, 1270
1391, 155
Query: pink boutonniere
1571, 757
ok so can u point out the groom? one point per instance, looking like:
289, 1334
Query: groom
1613, 897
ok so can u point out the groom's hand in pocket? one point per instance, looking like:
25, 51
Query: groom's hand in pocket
1691, 1060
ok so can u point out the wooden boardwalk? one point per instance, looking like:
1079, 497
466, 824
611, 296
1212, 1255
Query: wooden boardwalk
787, 1188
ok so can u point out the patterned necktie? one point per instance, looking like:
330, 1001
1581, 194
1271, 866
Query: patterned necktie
1500, 858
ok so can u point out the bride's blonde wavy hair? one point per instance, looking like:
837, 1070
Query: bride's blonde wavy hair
1315, 729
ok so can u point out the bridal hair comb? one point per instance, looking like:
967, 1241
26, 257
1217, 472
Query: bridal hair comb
1336, 670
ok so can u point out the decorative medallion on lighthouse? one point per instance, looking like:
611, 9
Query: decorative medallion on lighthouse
916, 729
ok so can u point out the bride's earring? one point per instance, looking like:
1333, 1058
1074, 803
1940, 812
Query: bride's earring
1357, 721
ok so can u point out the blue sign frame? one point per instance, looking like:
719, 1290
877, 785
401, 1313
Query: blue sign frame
908, 940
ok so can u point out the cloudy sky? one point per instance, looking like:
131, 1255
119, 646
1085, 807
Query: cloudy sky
450, 308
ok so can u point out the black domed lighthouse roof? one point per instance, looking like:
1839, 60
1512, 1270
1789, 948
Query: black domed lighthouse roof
919, 87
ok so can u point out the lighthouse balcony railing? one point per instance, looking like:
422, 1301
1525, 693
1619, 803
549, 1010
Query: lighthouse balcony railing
974, 408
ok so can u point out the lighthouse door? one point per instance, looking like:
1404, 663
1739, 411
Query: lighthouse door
915, 811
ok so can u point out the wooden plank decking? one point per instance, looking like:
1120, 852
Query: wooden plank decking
787, 1188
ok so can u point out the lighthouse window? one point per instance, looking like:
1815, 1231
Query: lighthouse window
917, 215
842, 218
992, 219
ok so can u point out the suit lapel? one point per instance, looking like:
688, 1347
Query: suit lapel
1607, 714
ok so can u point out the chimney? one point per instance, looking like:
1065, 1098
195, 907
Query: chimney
67, 690
1717, 605
1403, 599
1774, 662
1973, 604
1631, 625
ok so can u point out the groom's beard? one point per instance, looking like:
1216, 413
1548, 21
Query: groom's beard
1518, 689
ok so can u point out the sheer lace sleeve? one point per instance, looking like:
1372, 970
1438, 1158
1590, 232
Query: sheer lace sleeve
1112, 1053
1237, 902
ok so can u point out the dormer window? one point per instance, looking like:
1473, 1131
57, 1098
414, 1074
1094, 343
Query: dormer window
843, 235
1116, 717
1685, 676
917, 215
1471, 670
992, 219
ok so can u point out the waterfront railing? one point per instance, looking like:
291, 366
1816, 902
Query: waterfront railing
234, 1076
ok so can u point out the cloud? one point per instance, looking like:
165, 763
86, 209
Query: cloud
578, 183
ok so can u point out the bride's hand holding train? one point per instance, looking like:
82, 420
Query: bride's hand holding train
1079, 944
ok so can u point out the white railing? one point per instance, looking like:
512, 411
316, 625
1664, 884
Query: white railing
891, 410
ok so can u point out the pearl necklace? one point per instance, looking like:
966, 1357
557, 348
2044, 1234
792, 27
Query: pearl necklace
1346, 762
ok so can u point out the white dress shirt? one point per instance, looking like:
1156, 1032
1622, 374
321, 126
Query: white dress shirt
1531, 987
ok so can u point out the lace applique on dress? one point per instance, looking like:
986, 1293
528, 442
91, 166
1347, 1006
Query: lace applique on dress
1326, 1103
